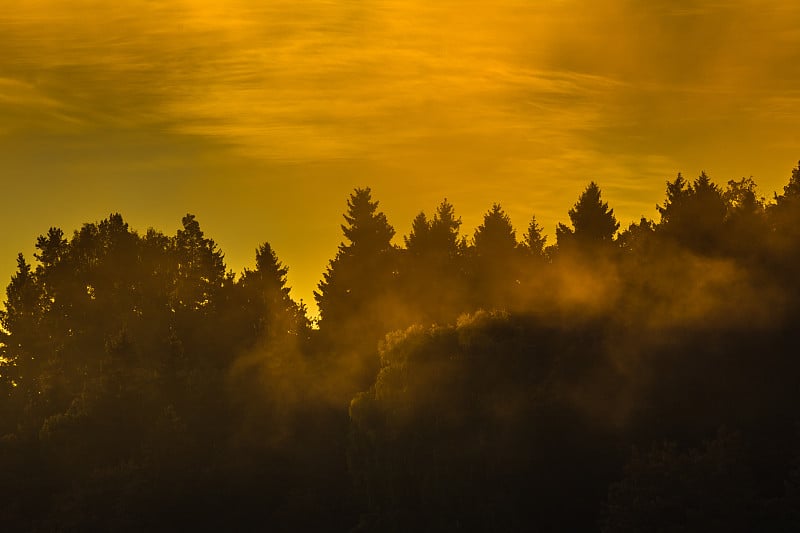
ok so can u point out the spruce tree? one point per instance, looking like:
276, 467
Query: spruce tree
592, 221
351, 294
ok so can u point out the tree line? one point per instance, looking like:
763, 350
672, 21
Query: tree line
617, 380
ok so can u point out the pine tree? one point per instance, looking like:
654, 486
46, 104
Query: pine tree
201, 267
444, 230
360, 276
694, 214
495, 267
677, 192
274, 313
592, 221
533, 239
495, 237
432, 273
418, 242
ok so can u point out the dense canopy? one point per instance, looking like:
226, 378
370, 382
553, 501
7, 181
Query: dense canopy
643, 379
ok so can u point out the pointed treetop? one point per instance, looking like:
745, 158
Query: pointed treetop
533, 238
267, 260
438, 235
445, 226
704, 186
366, 228
677, 192
419, 237
495, 234
592, 220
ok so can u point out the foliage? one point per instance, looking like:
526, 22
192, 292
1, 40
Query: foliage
592, 221
361, 272
534, 240
452, 384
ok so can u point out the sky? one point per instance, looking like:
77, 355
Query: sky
261, 116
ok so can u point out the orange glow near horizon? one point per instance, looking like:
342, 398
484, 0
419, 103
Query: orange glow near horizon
260, 117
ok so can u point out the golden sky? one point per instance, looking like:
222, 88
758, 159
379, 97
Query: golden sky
260, 116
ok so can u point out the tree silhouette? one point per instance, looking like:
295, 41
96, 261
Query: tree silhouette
359, 278
534, 240
593, 222
433, 270
495, 260
495, 236
143, 387
444, 230
418, 242
740, 197
677, 193
694, 214
791, 191
637, 237
439, 236
201, 268
20, 317
783, 238
367, 229
273, 313
785, 211
52, 247
745, 220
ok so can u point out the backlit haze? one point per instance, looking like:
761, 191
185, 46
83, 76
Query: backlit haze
261, 116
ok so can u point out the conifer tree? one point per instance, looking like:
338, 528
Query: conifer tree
274, 313
432, 270
495, 266
444, 230
693, 214
592, 221
495, 237
418, 241
533, 240
201, 266
360, 276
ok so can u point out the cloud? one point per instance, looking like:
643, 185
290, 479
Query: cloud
287, 81
517, 101
23, 104
386, 79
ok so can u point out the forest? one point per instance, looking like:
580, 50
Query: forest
617, 379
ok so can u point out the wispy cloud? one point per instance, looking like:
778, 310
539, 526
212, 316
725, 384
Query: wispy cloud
319, 80
514, 100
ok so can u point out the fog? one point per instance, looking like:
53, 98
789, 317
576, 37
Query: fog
477, 381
